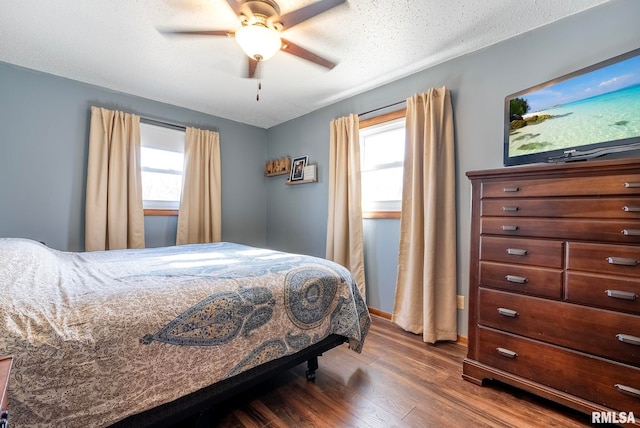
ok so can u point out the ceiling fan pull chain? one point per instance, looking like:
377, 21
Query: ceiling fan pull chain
258, 79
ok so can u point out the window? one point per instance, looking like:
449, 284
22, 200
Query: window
162, 162
382, 159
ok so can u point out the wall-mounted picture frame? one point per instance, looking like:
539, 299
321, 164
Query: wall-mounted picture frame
297, 168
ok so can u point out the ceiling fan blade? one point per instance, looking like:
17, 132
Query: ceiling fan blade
200, 32
297, 16
233, 4
298, 51
253, 65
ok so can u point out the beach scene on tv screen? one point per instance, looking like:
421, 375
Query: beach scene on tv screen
600, 106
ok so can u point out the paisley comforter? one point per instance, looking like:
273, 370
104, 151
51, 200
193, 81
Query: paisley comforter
100, 336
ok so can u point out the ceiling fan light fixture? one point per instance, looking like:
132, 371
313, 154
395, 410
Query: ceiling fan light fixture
258, 41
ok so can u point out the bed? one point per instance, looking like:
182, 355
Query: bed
133, 337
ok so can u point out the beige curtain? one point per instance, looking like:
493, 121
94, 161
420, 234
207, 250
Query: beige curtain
114, 218
344, 225
200, 215
425, 300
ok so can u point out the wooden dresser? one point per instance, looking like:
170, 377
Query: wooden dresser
5, 369
554, 291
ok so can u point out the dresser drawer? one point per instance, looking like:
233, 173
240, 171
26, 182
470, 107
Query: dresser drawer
536, 281
603, 258
618, 231
611, 292
624, 184
592, 378
596, 331
622, 208
537, 252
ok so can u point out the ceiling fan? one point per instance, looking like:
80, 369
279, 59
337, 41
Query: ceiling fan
262, 23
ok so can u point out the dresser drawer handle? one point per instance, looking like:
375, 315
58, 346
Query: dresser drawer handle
510, 209
631, 232
630, 209
510, 228
516, 279
628, 390
622, 261
513, 189
624, 295
506, 352
508, 312
627, 338
632, 184
517, 252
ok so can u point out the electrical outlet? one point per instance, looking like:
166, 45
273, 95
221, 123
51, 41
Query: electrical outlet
460, 304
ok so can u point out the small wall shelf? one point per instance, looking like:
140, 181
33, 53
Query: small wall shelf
291, 183
273, 174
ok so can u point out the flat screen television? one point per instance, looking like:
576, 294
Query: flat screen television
586, 114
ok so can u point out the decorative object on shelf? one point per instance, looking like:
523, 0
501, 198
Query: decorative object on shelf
279, 166
302, 173
297, 170
309, 172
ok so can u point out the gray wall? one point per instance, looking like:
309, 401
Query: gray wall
479, 83
44, 128
381, 247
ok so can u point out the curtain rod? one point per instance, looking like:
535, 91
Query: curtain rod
157, 122
164, 124
382, 108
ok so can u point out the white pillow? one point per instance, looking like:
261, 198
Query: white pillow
26, 263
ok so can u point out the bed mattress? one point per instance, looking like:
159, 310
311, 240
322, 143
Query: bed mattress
99, 336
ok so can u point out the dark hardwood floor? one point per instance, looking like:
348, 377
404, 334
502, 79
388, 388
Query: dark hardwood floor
397, 381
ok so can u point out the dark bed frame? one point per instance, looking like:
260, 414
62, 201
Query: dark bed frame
200, 401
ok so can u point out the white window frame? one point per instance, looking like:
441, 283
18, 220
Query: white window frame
384, 123
166, 139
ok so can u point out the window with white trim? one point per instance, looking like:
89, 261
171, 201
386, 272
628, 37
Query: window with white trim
382, 160
162, 163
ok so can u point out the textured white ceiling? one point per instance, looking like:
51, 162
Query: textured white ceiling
116, 44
